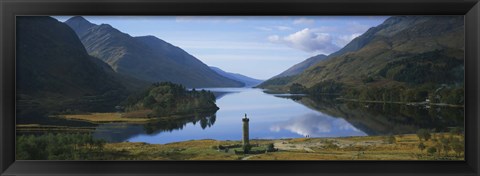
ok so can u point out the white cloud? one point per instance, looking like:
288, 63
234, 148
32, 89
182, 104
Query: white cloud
303, 21
307, 40
345, 39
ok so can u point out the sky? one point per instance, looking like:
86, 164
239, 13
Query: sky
258, 47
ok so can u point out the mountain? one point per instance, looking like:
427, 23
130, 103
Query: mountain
354, 45
146, 58
300, 67
130, 83
56, 74
249, 82
286, 76
80, 25
402, 51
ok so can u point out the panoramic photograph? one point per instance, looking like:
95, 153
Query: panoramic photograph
240, 88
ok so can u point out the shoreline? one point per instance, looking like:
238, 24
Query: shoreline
274, 92
403, 103
117, 117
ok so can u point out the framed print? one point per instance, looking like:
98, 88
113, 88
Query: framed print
240, 87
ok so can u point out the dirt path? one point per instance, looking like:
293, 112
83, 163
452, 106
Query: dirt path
248, 157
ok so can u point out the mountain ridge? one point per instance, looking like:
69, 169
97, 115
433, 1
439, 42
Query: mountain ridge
399, 40
249, 82
300, 67
146, 58
352, 46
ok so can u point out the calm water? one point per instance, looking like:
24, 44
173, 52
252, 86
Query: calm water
284, 116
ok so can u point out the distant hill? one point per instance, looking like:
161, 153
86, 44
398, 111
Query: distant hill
146, 58
300, 67
249, 82
56, 74
402, 51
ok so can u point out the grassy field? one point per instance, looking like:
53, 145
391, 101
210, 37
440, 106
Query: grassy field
105, 118
402, 147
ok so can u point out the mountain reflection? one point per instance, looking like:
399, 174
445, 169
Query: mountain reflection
384, 119
317, 125
206, 120
118, 132
219, 95
286, 116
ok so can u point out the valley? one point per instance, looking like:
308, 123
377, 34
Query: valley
88, 91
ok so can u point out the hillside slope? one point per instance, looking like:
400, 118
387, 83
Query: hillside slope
55, 73
146, 58
431, 45
300, 67
408, 51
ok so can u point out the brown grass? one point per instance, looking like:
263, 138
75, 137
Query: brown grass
105, 118
346, 148
188, 150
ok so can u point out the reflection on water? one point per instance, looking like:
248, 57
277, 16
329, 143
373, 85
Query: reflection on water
317, 125
384, 119
274, 116
119, 132
205, 120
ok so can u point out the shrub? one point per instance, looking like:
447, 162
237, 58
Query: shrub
421, 146
432, 150
246, 148
424, 134
391, 139
58, 147
270, 147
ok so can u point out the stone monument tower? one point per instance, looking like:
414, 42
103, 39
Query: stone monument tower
245, 131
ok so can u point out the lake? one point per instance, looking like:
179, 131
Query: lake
274, 116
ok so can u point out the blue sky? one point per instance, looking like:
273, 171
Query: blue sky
259, 47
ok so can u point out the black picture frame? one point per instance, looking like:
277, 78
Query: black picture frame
11, 8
